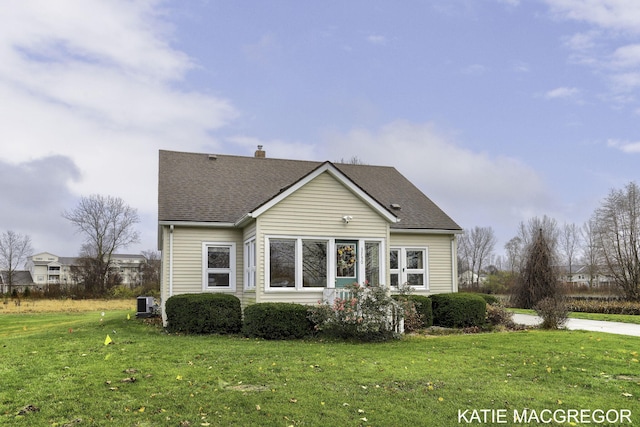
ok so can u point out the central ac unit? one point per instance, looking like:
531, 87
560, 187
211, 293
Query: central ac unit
145, 307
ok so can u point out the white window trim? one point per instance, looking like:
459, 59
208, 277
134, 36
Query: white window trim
231, 270
250, 268
402, 269
331, 261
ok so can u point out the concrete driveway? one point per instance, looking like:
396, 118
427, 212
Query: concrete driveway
585, 325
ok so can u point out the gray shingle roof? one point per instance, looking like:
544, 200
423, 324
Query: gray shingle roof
198, 187
20, 277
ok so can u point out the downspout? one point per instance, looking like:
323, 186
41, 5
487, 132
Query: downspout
171, 260
454, 260
170, 293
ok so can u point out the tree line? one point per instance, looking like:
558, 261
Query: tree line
108, 225
608, 244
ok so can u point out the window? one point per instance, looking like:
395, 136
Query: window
394, 266
409, 265
250, 265
299, 263
282, 263
219, 261
314, 264
372, 263
295, 263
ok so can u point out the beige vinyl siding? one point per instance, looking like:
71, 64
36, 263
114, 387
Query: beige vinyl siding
315, 210
440, 258
246, 296
164, 276
187, 257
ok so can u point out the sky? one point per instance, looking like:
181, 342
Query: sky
498, 110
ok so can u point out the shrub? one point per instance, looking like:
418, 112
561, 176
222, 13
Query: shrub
416, 309
424, 308
490, 299
277, 320
204, 313
599, 305
498, 315
553, 312
368, 313
458, 310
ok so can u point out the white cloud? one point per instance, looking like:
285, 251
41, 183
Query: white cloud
615, 15
562, 93
626, 56
606, 46
474, 188
377, 39
520, 67
474, 69
625, 146
263, 50
99, 83
626, 82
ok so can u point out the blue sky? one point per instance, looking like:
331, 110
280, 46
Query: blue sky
499, 110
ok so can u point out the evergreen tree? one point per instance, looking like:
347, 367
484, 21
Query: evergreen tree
538, 279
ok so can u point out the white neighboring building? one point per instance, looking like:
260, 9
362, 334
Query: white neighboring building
49, 269
580, 276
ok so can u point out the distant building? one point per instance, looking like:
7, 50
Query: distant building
49, 269
21, 281
580, 276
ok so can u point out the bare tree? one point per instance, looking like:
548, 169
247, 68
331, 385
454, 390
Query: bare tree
529, 231
514, 254
15, 248
354, 160
108, 225
476, 246
569, 243
151, 271
590, 251
618, 237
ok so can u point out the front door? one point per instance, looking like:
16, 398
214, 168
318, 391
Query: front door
346, 262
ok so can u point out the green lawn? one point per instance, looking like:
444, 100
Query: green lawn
55, 370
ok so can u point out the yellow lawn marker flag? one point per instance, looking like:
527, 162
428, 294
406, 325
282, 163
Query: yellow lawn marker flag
128, 316
108, 340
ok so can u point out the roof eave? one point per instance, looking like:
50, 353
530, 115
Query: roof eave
425, 231
202, 224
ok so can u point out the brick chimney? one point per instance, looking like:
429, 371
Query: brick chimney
260, 153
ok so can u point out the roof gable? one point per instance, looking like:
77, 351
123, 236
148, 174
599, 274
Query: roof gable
326, 167
202, 188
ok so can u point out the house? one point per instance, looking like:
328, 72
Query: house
585, 276
20, 280
49, 269
276, 230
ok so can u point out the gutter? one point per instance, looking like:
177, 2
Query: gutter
424, 231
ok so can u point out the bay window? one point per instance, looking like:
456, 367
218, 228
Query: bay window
308, 263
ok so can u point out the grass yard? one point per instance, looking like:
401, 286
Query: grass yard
56, 370
64, 305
